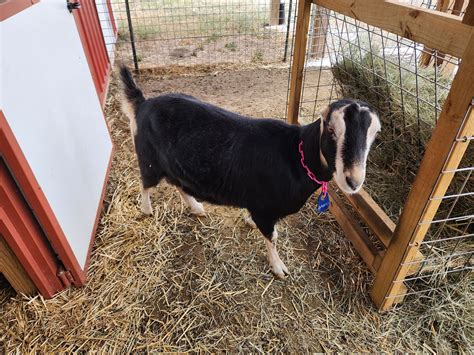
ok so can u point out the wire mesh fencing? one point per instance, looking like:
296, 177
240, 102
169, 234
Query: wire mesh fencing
407, 83
159, 33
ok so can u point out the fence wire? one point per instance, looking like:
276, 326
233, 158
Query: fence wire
159, 33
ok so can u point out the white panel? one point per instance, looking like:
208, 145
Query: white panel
50, 102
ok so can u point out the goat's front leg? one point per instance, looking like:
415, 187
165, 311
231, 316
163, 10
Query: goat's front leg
196, 207
248, 220
146, 203
278, 267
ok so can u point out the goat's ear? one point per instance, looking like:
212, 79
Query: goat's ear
325, 113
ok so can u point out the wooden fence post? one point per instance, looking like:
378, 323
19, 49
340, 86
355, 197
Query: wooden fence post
274, 12
318, 40
297, 67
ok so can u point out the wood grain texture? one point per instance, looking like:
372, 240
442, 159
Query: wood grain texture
13, 271
434, 29
468, 18
375, 218
355, 233
274, 12
297, 67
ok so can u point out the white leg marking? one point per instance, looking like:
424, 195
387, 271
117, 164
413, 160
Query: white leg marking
146, 203
196, 207
278, 267
127, 108
249, 221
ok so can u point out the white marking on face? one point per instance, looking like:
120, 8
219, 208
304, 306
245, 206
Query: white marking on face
356, 173
196, 207
321, 130
339, 126
278, 267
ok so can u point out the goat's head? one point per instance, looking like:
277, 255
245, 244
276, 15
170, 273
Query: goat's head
348, 129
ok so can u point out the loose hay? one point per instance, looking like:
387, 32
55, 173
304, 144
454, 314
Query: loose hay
173, 282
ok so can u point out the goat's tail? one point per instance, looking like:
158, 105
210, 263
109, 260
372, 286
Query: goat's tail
131, 91
132, 97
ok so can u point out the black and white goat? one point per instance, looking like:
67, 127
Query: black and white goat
225, 158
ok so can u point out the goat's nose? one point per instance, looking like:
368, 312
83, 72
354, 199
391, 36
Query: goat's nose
353, 184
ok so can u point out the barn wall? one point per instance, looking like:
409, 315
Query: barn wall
53, 110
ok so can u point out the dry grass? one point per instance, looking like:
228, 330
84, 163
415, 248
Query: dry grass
173, 282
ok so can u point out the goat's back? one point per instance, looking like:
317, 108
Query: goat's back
215, 154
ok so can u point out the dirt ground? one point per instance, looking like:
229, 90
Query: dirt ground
174, 282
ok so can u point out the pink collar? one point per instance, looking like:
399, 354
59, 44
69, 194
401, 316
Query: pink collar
324, 184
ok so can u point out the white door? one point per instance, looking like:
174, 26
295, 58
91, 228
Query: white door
49, 100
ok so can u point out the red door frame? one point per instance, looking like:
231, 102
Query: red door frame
92, 38
12, 7
24, 236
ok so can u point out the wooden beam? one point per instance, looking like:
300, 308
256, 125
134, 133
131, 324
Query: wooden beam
434, 29
425, 58
274, 12
318, 40
299, 52
379, 223
354, 232
375, 218
13, 271
468, 18
443, 153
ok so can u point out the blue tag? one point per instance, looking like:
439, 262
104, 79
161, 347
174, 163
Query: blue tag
323, 203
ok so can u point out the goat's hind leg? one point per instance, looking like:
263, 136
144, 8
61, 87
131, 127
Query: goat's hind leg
146, 203
150, 178
196, 207
270, 234
248, 220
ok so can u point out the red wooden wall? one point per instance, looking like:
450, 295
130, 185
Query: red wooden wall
90, 31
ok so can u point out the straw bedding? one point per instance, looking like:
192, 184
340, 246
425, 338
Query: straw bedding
174, 282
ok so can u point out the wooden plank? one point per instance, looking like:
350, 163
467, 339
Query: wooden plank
318, 41
441, 155
13, 271
425, 58
299, 52
379, 223
274, 12
434, 29
458, 7
401, 294
355, 233
417, 260
468, 18
375, 218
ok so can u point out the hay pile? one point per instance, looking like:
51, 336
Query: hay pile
172, 282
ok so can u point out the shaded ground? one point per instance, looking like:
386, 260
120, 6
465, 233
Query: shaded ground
175, 282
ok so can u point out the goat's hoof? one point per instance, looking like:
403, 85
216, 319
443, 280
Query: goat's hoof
147, 210
198, 210
249, 221
280, 270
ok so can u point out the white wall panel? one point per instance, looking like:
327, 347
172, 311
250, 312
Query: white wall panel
50, 102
